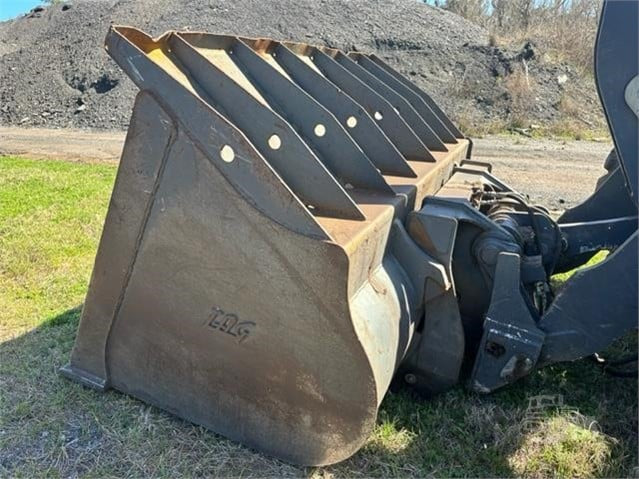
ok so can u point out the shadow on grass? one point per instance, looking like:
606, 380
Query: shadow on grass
49, 425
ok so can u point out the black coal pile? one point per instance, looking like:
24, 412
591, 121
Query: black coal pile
54, 71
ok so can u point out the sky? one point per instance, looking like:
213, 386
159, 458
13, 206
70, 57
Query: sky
13, 8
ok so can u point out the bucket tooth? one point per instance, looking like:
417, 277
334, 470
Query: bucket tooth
317, 126
391, 123
269, 134
244, 279
224, 144
405, 109
425, 96
359, 125
417, 102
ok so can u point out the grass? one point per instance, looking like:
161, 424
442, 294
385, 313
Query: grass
51, 214
566, 128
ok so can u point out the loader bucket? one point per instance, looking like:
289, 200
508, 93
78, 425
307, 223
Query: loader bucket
243, 280
293, 227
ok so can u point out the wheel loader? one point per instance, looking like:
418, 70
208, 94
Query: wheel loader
293, 228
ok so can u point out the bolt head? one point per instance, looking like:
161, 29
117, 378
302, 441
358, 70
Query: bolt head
410, 378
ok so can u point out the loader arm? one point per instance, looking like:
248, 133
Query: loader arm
292, 228
616, 67
598, 304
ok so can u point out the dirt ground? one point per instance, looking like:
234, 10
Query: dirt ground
68, 144
556, 173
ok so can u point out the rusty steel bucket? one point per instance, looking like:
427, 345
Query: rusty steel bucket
242, 280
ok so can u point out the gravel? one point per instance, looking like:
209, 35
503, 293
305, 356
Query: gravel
54, 71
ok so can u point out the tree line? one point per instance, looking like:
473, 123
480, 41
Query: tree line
563, 29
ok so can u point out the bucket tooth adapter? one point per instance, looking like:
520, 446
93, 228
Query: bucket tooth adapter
292, 228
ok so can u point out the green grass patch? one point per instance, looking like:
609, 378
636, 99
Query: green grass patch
51, 215
558, 280
565, 448
564, 129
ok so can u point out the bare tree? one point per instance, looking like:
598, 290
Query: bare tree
475, 10
563, 29
499, 8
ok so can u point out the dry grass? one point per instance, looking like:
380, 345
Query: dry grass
520, 85
562, 30
566, 446
51, 213
565, 128
557, 38
522, 89
568, 106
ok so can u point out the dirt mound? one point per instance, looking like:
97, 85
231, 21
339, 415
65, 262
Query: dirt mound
55, 73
